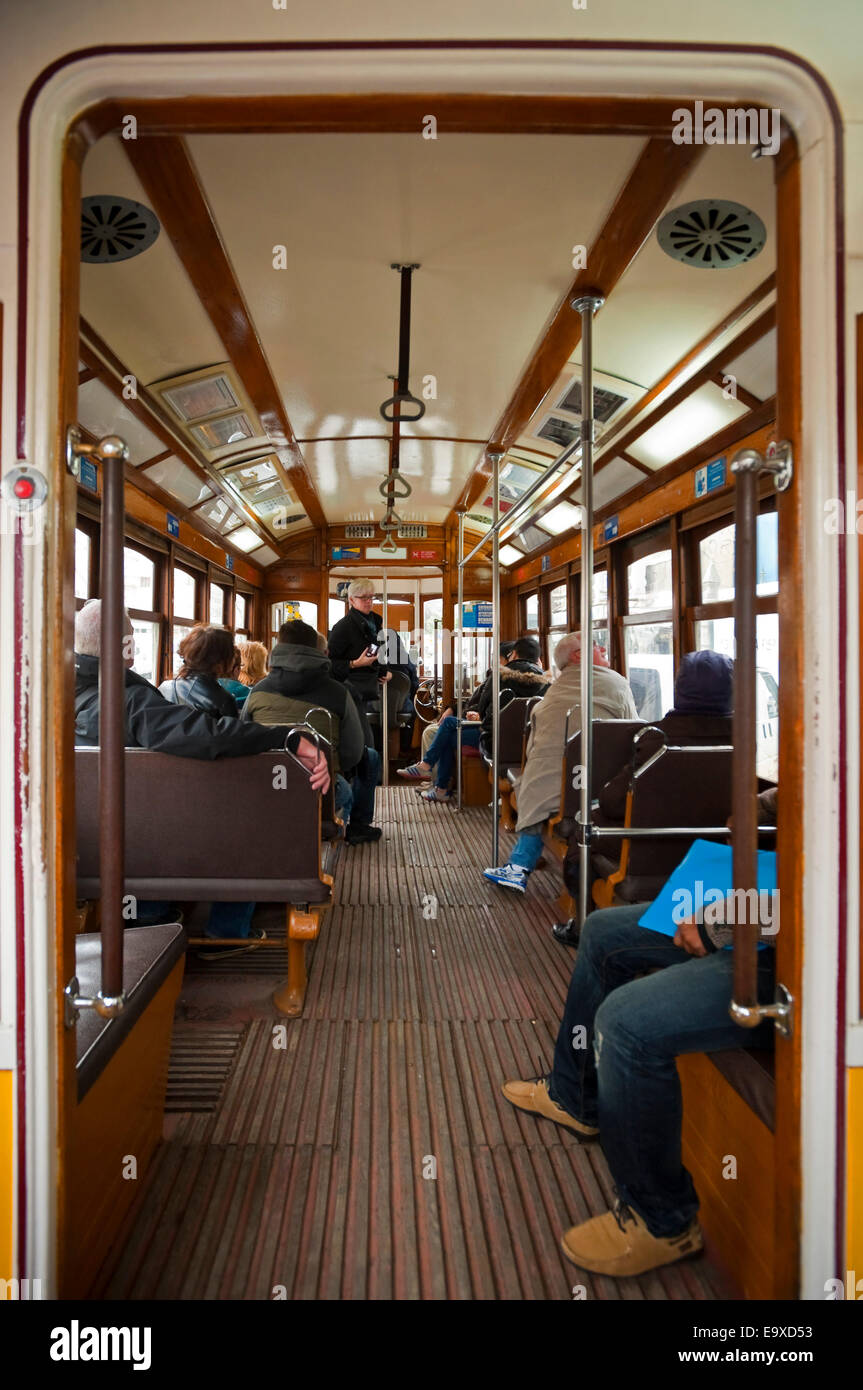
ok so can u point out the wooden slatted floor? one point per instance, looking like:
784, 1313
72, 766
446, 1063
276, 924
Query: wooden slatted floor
364, 1151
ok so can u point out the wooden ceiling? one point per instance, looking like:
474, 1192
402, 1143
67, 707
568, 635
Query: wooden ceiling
493, 209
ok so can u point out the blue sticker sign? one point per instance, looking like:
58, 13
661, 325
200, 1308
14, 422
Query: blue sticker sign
346, 552
229, 561
88, 474
173, 524
484, 614
710, 477
610, 528
546, 563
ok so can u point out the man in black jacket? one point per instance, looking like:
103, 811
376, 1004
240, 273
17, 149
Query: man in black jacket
299, 681
153, 722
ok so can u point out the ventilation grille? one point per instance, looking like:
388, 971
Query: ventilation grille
605, 403
360, 533
115, 229
412, 531
712, 234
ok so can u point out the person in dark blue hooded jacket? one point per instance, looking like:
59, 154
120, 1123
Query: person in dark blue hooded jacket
701, 717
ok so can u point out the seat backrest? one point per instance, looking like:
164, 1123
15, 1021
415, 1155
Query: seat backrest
513, 720
680, 786
233, 829
399, 688
612, 748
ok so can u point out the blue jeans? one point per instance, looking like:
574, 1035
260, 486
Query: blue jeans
357, 798
527, 850
621, 1075
442, 747
226, 919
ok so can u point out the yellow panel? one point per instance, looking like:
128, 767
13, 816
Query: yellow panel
7, 1171
855, 1169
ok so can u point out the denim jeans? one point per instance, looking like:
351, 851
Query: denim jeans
527, 850
442, 748
226, 919
620, 1073
356, 799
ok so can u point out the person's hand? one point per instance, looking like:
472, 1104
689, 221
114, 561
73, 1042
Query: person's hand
315, 763
364, 659
472, 716
387, 676
687, 937
446, 713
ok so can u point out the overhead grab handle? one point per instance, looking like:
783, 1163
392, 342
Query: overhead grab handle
394, 407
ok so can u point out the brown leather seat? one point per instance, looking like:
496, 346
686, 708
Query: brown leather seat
677, 787
232, 830
612, 746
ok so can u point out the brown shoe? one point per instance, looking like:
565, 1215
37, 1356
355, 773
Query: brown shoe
620, 1244
533, 1096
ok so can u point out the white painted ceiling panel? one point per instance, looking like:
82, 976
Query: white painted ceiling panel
173, 475
756, 368
102, 413
697, 418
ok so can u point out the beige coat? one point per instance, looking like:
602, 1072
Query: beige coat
539, 787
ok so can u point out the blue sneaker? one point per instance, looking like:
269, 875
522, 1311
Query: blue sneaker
508, 876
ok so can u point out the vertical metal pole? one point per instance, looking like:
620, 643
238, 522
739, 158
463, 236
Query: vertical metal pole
495, 663
745, 467
587, 306
112, 718
459, 680
385, 723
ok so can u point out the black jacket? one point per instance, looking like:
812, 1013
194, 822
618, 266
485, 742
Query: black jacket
348, 640
153, 722
201, 692
681, 731
299, 679
518, 681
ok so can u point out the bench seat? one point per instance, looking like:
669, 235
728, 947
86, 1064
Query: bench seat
149, 956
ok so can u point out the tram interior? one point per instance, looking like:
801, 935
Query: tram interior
240, 341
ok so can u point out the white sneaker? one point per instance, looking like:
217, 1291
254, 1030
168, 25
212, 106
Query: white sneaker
508, 876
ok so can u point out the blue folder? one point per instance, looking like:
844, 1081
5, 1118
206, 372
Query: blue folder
706, 870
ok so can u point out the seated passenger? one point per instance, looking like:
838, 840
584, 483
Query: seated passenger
539, 785
153, 722
701, 717
519, 676
206, 654
232, 682
472, 706
614, 1075
299, 682
253, 663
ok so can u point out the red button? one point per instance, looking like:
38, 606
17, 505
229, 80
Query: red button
24, 488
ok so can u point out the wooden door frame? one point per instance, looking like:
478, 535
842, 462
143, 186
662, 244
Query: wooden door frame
59, 673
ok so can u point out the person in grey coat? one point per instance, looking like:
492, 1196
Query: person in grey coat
539, 787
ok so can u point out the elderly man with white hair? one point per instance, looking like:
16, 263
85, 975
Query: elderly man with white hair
155, 723
539, 787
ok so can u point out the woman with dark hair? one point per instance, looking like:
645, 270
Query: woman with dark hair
207, 654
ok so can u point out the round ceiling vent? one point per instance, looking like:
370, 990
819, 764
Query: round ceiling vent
115, 229
712, 234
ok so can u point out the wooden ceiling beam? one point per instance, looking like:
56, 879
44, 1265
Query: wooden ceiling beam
659, 170
110, 370
384, 112
635, 463
170, 180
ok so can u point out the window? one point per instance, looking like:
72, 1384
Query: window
530, 615
432, 613
140, 590
712, 618
146, 661
139, 580
601, 634
241, 615
185, 611
648, 626
217, 605
558, 616
83, 564
648, 583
